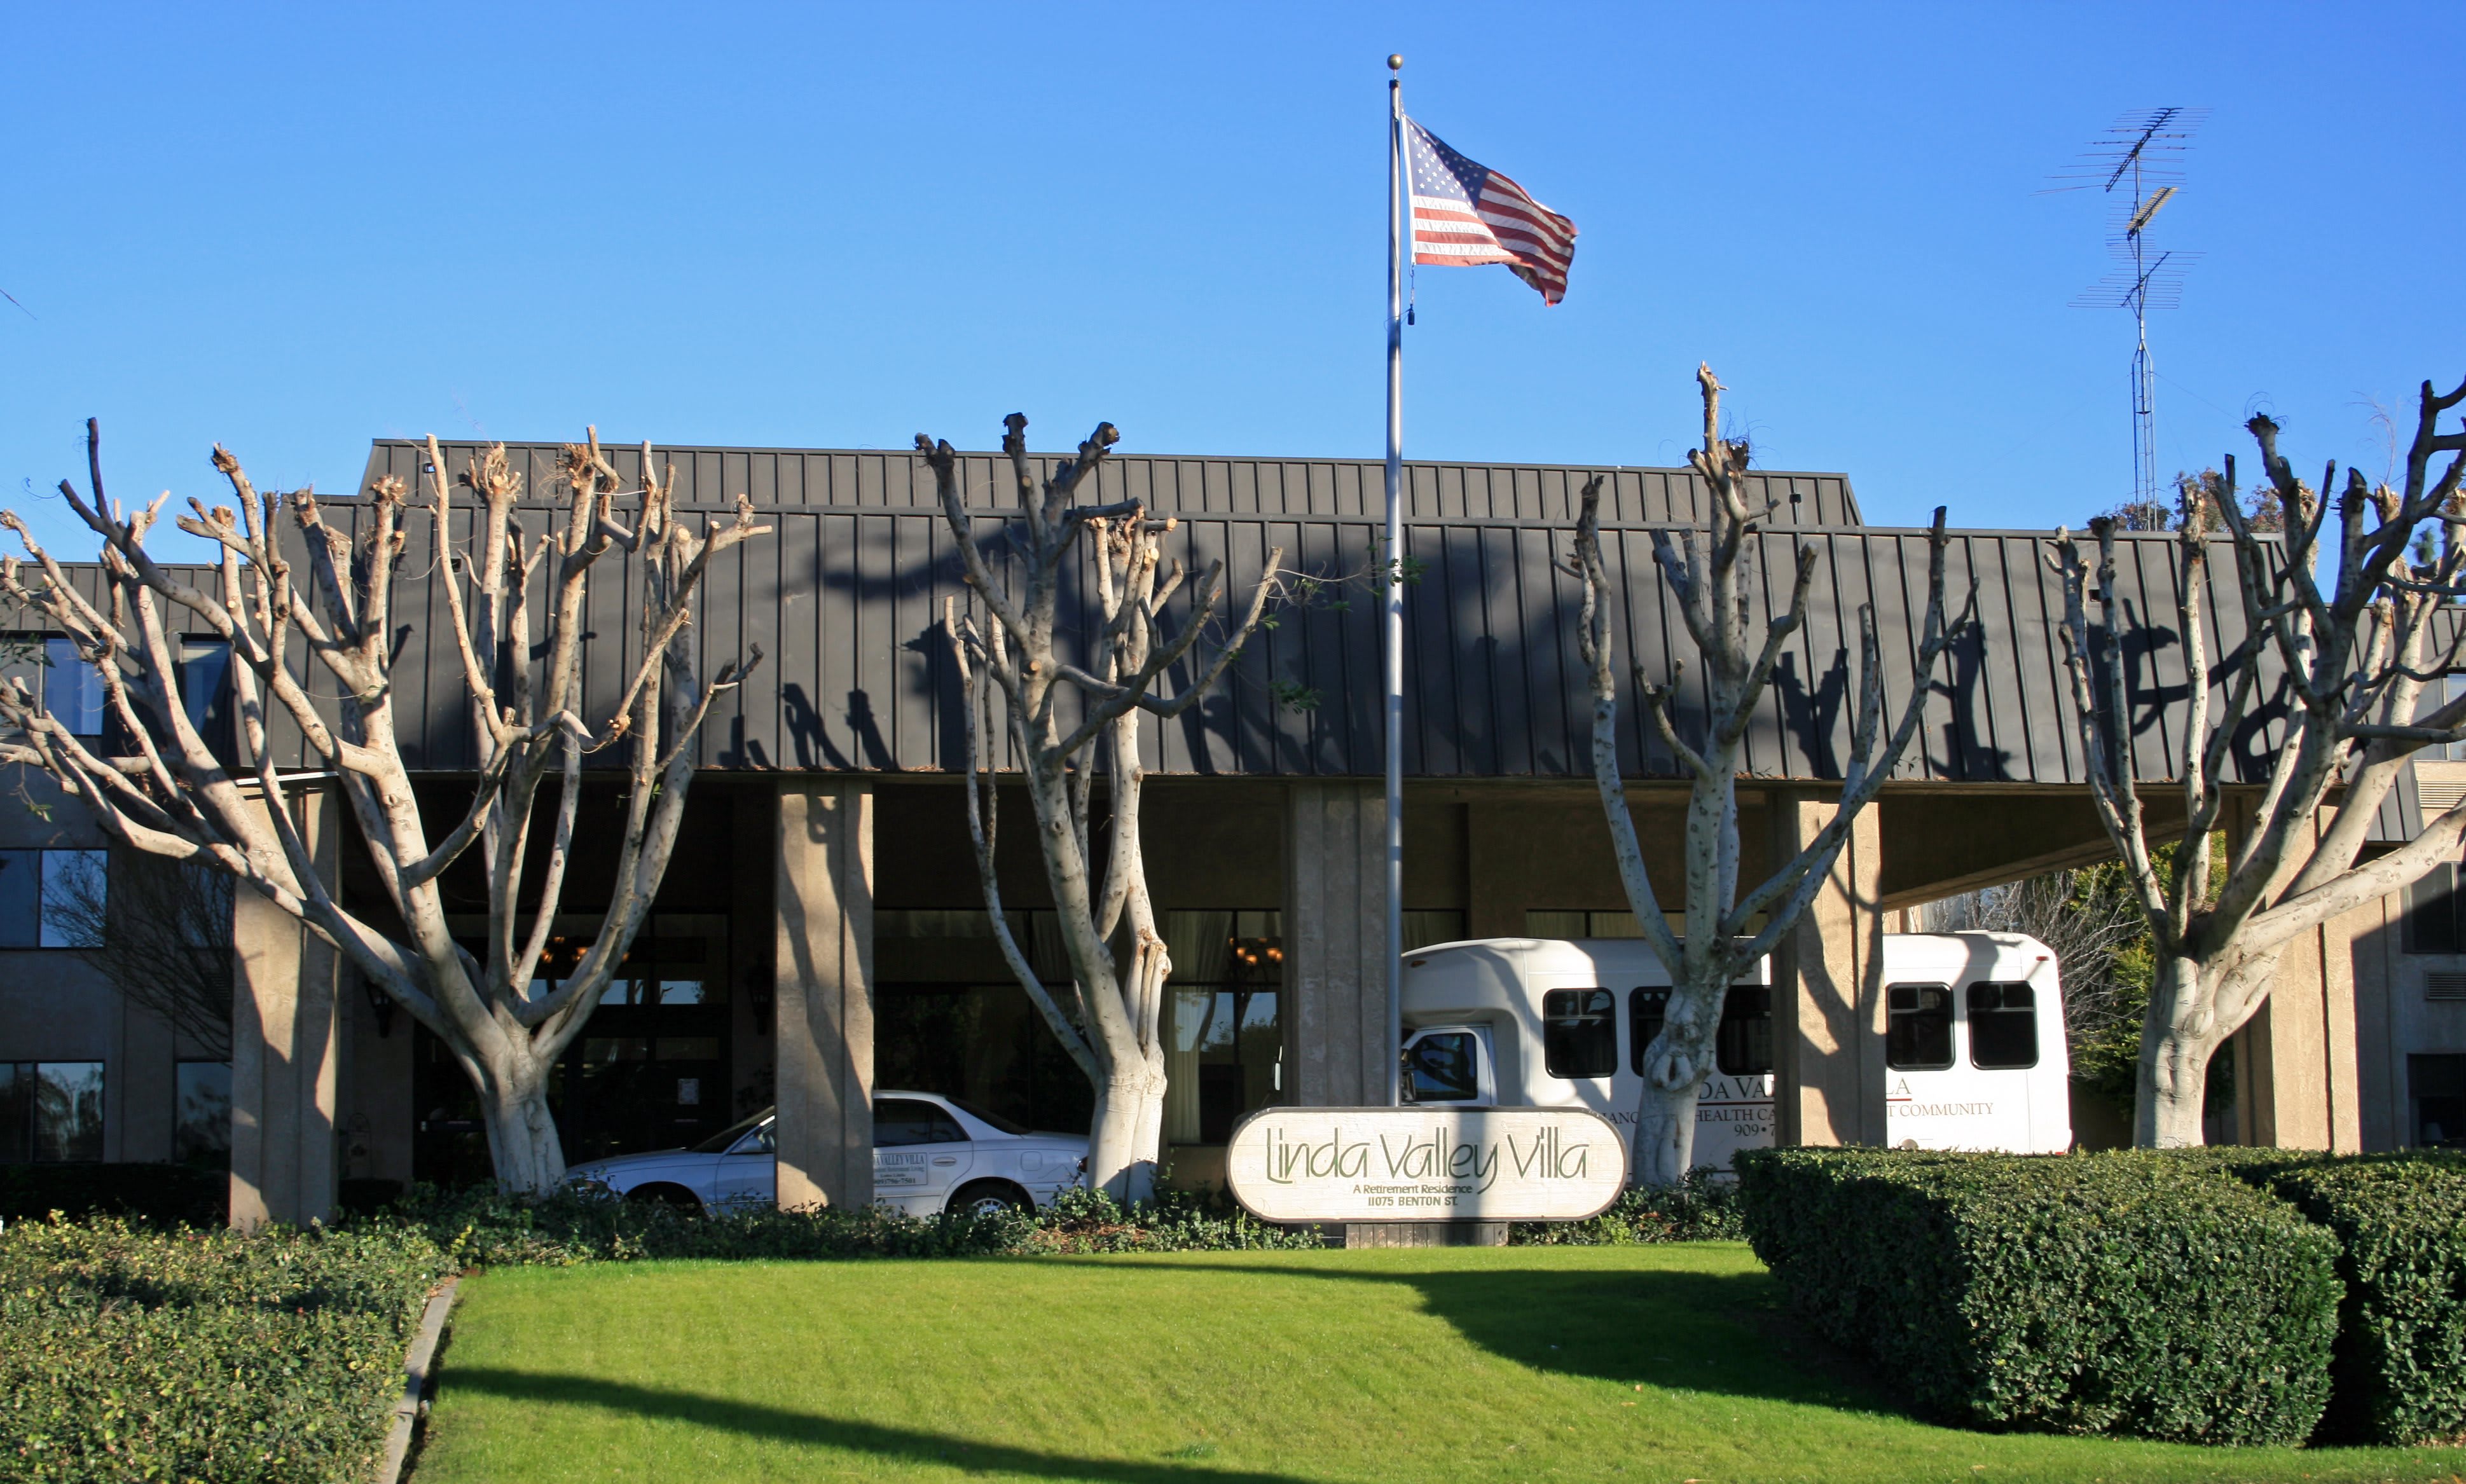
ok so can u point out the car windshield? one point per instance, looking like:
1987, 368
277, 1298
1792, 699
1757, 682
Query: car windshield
719, 1142
986, 1116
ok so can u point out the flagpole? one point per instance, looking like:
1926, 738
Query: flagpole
1399, 230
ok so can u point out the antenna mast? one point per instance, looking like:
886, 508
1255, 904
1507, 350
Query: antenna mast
2139, 166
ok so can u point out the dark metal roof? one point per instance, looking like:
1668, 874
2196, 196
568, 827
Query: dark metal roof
844, 597
872, 479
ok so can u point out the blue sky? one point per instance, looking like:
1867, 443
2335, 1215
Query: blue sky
292, 231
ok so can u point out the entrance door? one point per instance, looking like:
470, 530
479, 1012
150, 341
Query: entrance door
920, 1153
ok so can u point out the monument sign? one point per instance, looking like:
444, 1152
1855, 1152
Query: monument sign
1402, 1164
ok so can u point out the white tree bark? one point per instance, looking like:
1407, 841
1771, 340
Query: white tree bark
1714, 583
2350, 665
1111, 1017
171, 796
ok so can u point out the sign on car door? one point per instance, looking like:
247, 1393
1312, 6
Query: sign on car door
919, 1150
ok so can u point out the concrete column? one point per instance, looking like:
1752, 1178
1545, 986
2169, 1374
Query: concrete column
285, 1047
824, 967
1829, 1000
2298, 1083
1336, 945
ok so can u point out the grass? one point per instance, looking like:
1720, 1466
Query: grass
1661, 1363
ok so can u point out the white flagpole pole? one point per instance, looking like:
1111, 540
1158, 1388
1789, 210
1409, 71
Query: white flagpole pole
1399, 236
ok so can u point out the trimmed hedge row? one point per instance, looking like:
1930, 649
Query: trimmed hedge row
2398, 1374
1703, 1208
2119, 1293
136, 1355
481, 1228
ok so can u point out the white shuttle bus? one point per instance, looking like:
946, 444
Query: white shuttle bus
1974, 1046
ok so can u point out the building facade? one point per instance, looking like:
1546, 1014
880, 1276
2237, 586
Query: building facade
821, 932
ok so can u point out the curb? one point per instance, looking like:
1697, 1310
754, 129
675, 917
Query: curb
415, 1382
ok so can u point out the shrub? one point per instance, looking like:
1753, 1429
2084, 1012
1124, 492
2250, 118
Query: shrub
2399, 1371
483, 1227
2116, 1292
128, 1354
1704, 1208
158, 1195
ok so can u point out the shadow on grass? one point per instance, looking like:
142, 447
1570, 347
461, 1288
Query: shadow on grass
1725, 1333
808, 1430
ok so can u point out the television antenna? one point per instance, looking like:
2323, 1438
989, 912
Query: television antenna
2139, 166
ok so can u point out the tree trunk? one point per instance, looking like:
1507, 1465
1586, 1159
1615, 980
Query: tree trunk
2176, 1042
522, 1144
1665, 1133
1123, 1133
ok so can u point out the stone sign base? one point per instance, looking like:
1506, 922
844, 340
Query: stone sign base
1425, 1234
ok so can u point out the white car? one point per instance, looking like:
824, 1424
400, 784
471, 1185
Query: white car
930, 1154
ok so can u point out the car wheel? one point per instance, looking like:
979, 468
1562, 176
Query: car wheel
989, 1198
676, 1197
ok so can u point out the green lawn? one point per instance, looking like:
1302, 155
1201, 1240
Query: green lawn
1669, 1363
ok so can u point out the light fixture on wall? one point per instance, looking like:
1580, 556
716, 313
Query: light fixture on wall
761, 993
381, 1004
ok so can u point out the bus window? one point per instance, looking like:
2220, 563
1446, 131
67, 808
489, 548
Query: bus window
2002, 1026
1918, 1028
1579, 1033
1444, 1066
1644, 1010
1744, 1046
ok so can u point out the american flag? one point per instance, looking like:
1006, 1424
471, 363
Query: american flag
1465, 213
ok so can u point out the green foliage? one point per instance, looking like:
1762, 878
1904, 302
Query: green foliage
483, 1228
158, 1195
2126, 1292
128, 1354
1704, 1208
2399, 1373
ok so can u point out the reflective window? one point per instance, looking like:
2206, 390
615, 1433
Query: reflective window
1646, 1010
51, 1111
72, 691
1744, 1046
907, 1120
76, 897
1444, 1068
1579, 1033
1917, 1033
201, 1117
2002, 1026
2437, 1084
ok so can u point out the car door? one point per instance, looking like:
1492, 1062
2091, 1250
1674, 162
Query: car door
748, 1173
920, 1153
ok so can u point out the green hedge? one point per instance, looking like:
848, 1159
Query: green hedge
159, 1194
479, 1227
2399, 1374
1703, 1208
135, 1355
2118, 1293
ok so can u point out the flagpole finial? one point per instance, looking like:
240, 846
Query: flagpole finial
1396, 61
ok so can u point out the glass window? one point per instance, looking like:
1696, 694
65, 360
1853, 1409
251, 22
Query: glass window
720, 1142
1444, 1067
686, 1049
1743, 1044
72, 691
16, 1113
2431, 910
68, 1111
1646, 1010
21, 898
607, 1051
76, 890
205, 669
985, 1114
1918, 1028
907, 1120
2002, 1026
201, 1126
2438, 1084
1579, 1033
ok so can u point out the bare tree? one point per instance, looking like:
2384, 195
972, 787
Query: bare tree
160, 931
1067, 723
2091, 919
2351, 663
1714, 582
168, 794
